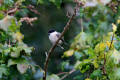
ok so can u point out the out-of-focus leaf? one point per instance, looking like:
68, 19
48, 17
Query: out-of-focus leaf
116, 74
104, 2
118, 21
83, 66
18, 36
28, 50
114, 27
11, 62
6, 51
16, 52
56, 2
78, 55
3, 70
96, 73
116, 56
88, 79
81, 41
41, 1
53, 77
22, 68
16, 61
68, 53
65, 65
76, 66
100, 47
6, 22
96, 65
93, 3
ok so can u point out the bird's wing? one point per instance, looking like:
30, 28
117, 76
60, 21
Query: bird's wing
58, 35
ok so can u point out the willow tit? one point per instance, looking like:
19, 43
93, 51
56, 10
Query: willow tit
53, 37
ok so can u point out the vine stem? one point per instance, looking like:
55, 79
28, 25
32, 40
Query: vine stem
54, 46
104, 71
111, 41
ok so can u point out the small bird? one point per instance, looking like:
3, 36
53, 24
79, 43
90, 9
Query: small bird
53, 36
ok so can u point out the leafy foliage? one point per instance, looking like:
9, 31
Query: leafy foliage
14, 53
94, 53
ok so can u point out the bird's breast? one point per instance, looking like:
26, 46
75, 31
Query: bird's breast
53, 38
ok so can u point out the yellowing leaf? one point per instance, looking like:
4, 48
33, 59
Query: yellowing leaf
96, 65
100, 47
88, 79
18, 36
114, 27
68, 53
6, 22
109, 43
118, 21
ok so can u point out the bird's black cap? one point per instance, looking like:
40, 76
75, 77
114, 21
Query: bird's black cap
50, 31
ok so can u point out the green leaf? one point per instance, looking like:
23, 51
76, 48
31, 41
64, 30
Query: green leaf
6, 22
81, 41
28, 50
3, 70
83, 66
53, 77
16, 52
16, 61
96, 73
6, 51
11, 62
41, 1
56, 2
115, 56
22, 68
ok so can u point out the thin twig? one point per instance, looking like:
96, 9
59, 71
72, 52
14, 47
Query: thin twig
61, 73
104, 70
111, 41
73, 70
54, 46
